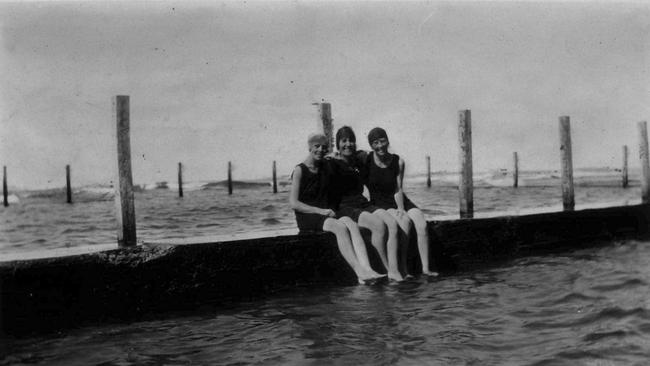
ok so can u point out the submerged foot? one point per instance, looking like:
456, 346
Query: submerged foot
370, 277
430, 273
395, 276
369, 281
380, 276
373, 274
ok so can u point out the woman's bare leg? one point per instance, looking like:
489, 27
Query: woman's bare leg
359, 245
377, 234
423, 239
345, 247
405, 224
392, 244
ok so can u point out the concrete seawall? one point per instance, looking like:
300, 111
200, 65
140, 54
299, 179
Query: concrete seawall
146, 281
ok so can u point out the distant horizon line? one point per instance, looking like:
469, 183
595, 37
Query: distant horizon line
283, 178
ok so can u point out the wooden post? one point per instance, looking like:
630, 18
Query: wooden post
180, 180
5, 193
568, 199
124, 199
624, 170
428, 171
643, 155
515, 173
466, 184
229, 178
67, 184
275, 180
325, 123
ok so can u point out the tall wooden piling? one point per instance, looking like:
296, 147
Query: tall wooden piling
5, 193
568, 199
325, 123
515, 171
466, 184
229, 178
124, 198
180, 180
68, 189
624, 169
645, 168
275, 179
428, 171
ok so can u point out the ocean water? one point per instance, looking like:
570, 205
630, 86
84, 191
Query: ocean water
587, 307
41, 220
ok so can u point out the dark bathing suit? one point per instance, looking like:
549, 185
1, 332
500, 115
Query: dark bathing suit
312, 192
382, 183
347, 189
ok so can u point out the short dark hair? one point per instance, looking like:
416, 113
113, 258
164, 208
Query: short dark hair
375, 134
345, 131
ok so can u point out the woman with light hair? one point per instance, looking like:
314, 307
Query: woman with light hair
309, 200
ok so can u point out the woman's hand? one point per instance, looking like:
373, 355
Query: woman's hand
328, 212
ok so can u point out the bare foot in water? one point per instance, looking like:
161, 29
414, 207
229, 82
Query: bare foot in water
370, 277
370, 281
375, 275
395, 276
430, 274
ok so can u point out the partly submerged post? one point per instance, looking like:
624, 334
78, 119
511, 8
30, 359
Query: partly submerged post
643, 155
275, 180
4, 187
624, 170
124, 190
465, 187
180, 180
568, 200
428, 171
515, 173
325, 123
68, 189
229, 178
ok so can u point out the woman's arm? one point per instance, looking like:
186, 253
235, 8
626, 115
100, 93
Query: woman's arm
299, 206
399, 193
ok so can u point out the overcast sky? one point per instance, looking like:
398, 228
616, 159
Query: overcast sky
212, 82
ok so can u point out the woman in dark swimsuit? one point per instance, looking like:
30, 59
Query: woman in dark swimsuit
349, 199
309, 200
384, 176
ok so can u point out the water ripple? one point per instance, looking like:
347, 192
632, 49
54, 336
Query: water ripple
622, 285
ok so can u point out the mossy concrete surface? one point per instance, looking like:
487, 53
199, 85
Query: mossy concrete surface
147, 280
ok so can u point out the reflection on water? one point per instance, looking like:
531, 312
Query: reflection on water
589, 307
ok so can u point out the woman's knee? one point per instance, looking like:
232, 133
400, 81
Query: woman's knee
418, 219
347, 221
372, 222
335, 226
391, 223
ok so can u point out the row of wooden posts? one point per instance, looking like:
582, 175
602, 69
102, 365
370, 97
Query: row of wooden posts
5, 191
124, 193
515, 184
564, 133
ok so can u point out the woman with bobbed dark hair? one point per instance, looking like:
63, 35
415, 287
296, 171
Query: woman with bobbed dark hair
348, 196
384, 177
